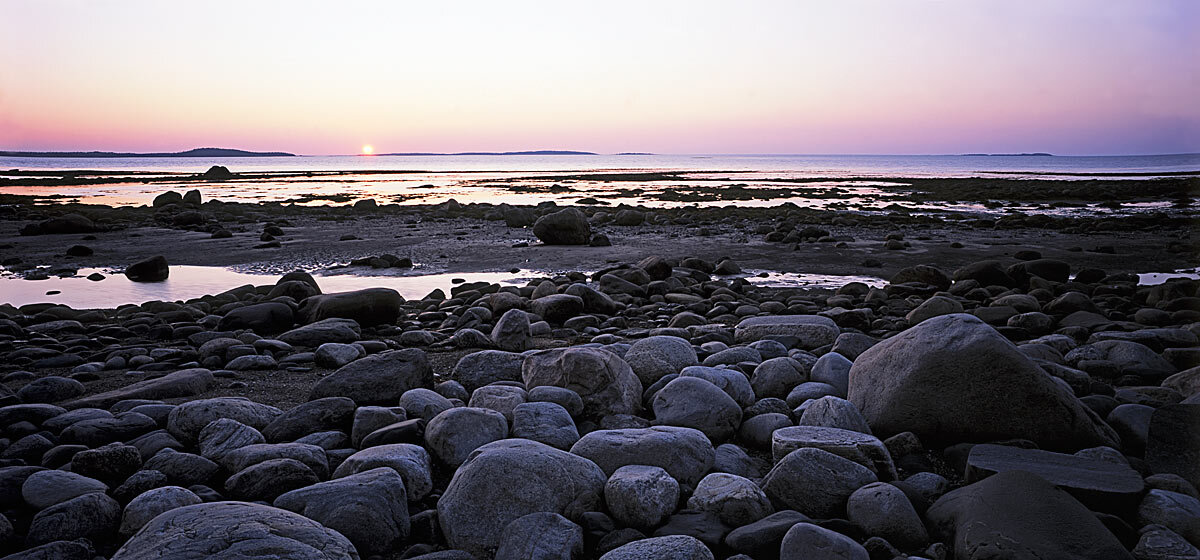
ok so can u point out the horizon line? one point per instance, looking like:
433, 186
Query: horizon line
630, 153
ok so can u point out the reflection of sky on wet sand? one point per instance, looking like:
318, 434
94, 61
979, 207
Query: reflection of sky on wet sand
525, 188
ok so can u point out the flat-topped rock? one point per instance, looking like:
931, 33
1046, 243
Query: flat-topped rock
1097, 483
182, 383
804, 331
864, 449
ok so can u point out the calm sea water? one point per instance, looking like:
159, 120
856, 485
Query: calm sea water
786, 165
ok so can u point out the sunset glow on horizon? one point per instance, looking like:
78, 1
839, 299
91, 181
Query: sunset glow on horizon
883, 77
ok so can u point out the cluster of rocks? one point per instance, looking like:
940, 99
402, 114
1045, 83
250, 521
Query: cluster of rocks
648, 410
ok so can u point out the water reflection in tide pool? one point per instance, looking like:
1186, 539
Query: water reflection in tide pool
187, 282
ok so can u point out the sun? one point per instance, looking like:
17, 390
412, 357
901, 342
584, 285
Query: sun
368, 149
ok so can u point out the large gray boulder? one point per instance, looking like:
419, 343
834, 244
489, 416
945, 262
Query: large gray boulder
410, 461
565, 227
367, 307
508, 479
685, 453
803, 331
93, 516
864, 449
671, 547
378, 379
150, 504
187, 420
955, 379
235, 530
692, 402
815, 482
604, 381
1017, 514
541, 536
652, 358
370, 508
453, 434
486, 367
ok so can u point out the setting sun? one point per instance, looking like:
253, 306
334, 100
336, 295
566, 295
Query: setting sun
368, 149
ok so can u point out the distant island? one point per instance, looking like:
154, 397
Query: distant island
1012, 155
198, 152
635, 154
525, 153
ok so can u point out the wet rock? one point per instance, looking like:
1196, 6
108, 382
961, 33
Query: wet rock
154, 269
914, 382
603, 380
565, 227
378, 378
505, 480
203, 531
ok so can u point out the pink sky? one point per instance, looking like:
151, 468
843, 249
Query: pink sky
1070, 77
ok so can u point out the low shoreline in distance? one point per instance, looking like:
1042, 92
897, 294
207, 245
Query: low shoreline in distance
523, 153
197, 152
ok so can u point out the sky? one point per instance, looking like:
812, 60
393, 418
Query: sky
698, 76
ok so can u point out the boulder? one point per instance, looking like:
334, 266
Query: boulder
686, 454
182, 383
801, 331
692, 402
815, 482
265, 318
653, 357
410, 461
508, 479
186, 420
153, 269
805, 541
486, 367
204, 531
735, 500
150, 504
369, 508
641, 496
1100, 484
542, 535
670, 547
1173, 444
1017, 514
378, 379
565, 227
954, 379
93, 516
882, 510
455, 433
864, 449
321, 332
603, 380
367, 307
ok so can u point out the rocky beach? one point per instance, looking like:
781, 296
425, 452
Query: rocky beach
1006, 387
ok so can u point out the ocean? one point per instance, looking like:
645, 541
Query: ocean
783, 165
